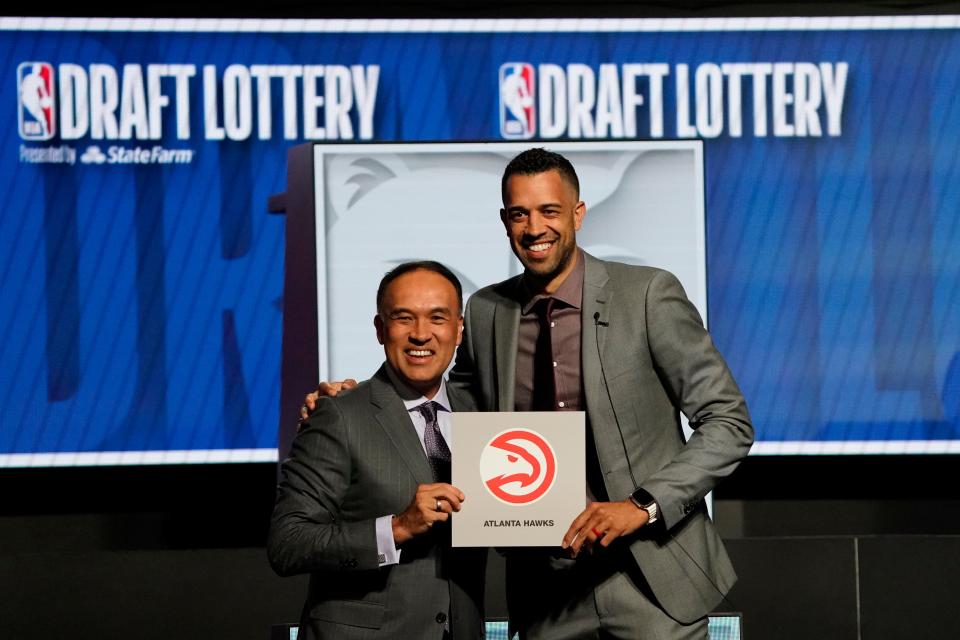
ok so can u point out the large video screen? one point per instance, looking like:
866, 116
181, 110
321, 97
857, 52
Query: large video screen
142, 277
381, 205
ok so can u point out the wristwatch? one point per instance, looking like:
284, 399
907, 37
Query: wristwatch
650, 507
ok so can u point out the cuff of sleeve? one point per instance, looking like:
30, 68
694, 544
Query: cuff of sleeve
387, 552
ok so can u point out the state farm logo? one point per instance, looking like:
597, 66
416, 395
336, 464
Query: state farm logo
518, 466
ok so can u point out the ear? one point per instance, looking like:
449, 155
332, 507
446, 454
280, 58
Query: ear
459, 330
578, 214
503, 219
378, 323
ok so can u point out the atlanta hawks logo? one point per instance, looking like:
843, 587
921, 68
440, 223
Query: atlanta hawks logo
518, 466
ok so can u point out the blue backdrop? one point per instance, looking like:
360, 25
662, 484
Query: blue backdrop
141, 299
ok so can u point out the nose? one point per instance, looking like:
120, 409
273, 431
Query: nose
535, 225
420, 332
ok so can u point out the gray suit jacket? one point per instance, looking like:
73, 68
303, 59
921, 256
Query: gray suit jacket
649, 359
357, 458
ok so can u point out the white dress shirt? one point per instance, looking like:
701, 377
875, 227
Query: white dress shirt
386, 546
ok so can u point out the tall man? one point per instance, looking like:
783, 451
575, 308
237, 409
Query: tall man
364, 501
624, 344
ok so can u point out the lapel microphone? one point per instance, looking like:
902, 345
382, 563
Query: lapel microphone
597, 321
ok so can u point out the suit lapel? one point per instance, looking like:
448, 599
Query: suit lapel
597, 300
460, 400
506, 326
393, 419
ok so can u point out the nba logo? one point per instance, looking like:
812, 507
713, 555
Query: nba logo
517, 120
35, 96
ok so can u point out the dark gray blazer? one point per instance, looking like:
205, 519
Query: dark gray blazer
357, 458
650, 360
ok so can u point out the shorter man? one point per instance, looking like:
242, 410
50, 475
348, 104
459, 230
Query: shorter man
377, 451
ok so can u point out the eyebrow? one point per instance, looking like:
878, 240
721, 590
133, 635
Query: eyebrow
399, 310
542, 205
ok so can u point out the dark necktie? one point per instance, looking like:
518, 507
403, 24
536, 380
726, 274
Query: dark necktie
544, 386
438, 453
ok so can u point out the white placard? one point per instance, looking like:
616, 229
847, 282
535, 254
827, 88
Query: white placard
523, 475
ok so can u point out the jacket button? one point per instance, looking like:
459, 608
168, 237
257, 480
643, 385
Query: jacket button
441, 617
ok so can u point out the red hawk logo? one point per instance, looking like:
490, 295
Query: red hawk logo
518, 466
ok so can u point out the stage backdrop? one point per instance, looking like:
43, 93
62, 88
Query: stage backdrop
141, 275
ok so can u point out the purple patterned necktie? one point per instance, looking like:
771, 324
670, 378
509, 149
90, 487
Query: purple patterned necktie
438, 453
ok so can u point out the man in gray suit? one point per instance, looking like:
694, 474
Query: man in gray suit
624, 344
364, 502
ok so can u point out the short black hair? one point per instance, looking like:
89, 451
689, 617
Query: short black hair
420, 265
539, 160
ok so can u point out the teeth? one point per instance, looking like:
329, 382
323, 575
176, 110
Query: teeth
419, 352
543, 246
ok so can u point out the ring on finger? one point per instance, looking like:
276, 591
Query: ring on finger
438, 504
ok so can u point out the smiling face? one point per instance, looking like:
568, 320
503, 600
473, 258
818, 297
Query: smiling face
542, 213
419, 325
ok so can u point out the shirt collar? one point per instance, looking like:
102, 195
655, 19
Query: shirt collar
570, 291
412, 398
